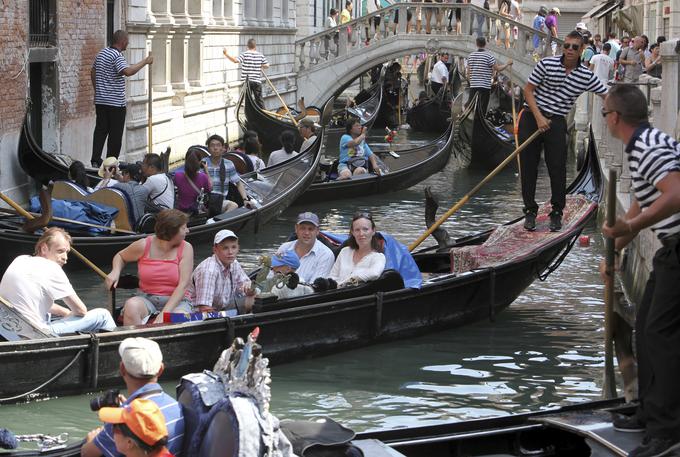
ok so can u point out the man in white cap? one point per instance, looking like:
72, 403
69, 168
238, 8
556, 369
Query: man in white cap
141, 364
316, 259
219, 282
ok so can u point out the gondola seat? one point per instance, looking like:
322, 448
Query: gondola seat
513, 241
116, 198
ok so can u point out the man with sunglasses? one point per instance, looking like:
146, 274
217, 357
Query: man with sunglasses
654, 163
552, 89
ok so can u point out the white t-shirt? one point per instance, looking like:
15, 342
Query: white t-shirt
371, 7
603, 66
32, 284
514, 10
279, 156
439, 73
258, 164
307, 143
161, 190
368, 268
105, 183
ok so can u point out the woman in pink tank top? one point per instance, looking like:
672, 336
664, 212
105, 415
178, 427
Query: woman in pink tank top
164, 266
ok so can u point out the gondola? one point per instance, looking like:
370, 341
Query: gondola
269, 127
407, 168
274, 188
488, 145
477, 279
431, 115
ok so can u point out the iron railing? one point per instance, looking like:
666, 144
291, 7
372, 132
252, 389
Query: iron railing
41, 30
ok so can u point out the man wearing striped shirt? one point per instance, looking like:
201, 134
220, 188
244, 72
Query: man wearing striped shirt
107, 74
552, 89
252, 63
480, 67
141, 365
654, 163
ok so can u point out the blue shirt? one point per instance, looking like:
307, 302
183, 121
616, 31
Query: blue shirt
347, 153
539, 23
231, 176
174, 420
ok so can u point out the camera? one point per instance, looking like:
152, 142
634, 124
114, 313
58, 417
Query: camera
110, 398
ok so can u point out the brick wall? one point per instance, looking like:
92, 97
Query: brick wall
13, 36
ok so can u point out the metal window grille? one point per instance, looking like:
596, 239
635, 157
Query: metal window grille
41, 23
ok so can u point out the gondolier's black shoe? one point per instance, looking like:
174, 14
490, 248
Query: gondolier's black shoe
656, 447
555, 221
630, 424
530, 221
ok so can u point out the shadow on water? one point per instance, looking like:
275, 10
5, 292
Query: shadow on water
544, 350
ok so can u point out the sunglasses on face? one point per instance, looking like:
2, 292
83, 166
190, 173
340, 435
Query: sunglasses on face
573, 46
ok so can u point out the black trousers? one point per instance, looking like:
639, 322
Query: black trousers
257, 92
554, 144
483, 96
110, 123
657, 333
436, 87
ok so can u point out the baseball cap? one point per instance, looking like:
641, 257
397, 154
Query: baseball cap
223, 235
308, 217
286, 258
582, 26
141, 357
143, 417
107, 163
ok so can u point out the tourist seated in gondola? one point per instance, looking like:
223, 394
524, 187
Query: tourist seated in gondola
307, 129
283, 281
165, 262
130, 182
253, 150
31, 284
222, 172
78, 175
287, 150
362, 259
192, 184
316, 259
108, 171
355, 154
160, 185
219, 282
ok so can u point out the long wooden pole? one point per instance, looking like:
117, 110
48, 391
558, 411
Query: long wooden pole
71, 221
280, 99
609, 383
515, 132
149, 75
28, 215
474, 190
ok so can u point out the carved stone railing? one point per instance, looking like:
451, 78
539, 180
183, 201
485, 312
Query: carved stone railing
356, 36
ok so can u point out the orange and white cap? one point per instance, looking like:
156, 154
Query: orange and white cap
141, 416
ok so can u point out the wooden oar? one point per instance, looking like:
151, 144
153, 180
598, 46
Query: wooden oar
28, 215
280, 99
150, 108
515, 127
72, 221
474, 190
609, 383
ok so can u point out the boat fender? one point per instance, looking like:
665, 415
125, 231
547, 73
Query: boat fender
322, 438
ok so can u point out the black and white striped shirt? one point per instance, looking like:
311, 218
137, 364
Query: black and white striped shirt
251, 65
556, 92
651, 156
109, 83
480, 65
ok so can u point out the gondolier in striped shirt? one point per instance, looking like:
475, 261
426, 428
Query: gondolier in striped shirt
252, 63
108, 72
654, 163
480, 67
552, 89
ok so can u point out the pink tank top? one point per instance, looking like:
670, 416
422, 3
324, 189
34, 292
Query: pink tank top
157, 276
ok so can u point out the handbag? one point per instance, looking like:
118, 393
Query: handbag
356, 162
202, 199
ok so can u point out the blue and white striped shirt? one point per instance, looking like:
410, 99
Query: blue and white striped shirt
109, 83
174, 421
652, 154
556, 91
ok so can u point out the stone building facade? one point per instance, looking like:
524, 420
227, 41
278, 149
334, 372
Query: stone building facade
49, 46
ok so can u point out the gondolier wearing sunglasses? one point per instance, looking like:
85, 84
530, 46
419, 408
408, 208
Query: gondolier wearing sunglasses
552, 89
654, 163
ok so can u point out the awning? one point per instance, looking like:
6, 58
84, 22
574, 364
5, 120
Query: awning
608, 10
597, 9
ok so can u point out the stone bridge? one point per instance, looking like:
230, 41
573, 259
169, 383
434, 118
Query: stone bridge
328, 61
